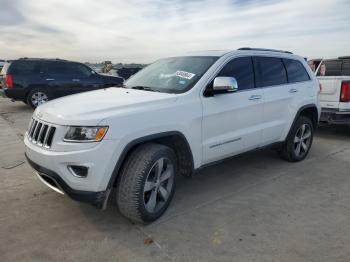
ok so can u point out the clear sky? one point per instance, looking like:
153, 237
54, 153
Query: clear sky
142, 31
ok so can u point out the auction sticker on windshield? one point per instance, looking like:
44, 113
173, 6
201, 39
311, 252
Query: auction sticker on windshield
184, 74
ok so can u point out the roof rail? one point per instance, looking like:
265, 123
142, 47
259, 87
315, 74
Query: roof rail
264, 49
344, 57
32, 58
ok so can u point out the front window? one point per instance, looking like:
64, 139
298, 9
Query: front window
172, 75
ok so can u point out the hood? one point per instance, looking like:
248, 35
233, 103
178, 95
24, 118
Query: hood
90, 108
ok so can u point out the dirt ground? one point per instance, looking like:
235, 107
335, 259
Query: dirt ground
255, 207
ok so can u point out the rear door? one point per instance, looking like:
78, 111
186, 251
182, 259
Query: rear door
272, 78
286, 84
232, 121
330, 78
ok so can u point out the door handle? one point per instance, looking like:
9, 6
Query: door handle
255, 97
50, 79
75, 80
293, 90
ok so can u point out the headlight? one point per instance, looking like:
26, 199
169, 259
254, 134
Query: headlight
85, 133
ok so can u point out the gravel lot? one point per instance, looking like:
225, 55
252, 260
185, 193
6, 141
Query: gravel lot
255, 207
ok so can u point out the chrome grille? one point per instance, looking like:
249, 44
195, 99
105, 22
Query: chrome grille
41, 133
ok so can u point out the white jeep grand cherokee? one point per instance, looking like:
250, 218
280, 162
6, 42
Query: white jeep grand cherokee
175, 116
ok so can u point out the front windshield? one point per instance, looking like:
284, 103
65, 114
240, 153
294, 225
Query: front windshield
171, 75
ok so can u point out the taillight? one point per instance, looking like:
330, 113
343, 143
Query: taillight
8, 81
345, 91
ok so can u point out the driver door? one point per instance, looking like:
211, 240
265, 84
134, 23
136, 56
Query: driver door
83, 78
232, 122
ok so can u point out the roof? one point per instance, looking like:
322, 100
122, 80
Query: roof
243, 49
208, 53
46, 59
327, 59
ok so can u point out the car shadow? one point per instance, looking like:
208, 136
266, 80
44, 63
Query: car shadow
333, 131
206, 185
220, 180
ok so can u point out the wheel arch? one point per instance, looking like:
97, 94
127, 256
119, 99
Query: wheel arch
310, 111
174, 139
31, 87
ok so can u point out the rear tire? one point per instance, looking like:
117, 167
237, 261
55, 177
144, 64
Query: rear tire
299, 141
147, 182
37, 97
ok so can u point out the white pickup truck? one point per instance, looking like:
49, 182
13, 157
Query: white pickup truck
334, 77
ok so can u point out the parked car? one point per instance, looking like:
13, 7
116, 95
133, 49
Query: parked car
177, 115
127, 72
2, 63
124, 72
36, 81
334, 76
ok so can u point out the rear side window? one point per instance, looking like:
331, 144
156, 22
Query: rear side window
295, 71
242, 69
346, 68
330, 68
24, 67
270, 71
58, 68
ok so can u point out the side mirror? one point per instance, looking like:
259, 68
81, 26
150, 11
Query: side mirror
224, 85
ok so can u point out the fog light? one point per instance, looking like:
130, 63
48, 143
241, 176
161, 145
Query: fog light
78, 171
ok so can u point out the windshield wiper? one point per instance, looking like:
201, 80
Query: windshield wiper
146, 88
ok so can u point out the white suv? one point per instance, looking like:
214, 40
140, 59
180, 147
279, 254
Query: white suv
175, 116
334, 76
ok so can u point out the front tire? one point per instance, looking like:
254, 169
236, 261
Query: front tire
299, 141
147, 182
37, 97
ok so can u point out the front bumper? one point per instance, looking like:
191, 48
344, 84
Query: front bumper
55, 182
99, 158
334, 116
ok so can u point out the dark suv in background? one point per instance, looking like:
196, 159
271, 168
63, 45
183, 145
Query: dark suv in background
36, 81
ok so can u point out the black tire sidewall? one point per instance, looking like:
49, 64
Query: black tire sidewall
145, 215
290, 143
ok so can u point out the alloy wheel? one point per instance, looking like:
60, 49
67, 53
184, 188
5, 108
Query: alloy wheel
158, 185
302, 140
39, 98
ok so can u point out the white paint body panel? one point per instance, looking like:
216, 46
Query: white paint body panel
231, 124
330, 95
215, 127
